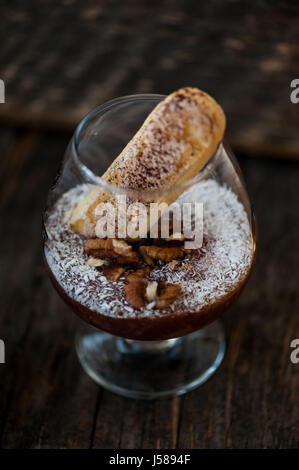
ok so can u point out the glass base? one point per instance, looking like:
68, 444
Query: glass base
151, 369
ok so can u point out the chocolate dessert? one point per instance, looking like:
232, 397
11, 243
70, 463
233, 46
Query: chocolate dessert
154, 288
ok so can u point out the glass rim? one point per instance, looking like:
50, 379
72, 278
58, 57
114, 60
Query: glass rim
113, 188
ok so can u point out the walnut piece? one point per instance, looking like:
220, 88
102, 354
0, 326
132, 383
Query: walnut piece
138, 274
96, 246
163, 253
112, 249
140, 290
113, 272
145, 256
135, 293
167, 295
120, 246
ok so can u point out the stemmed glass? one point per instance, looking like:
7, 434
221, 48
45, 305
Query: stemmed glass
142, 356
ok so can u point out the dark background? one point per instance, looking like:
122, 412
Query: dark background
60, 59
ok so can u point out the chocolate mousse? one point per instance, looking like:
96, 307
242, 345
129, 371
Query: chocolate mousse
154, 288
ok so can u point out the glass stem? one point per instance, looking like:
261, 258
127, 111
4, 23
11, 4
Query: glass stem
151, 347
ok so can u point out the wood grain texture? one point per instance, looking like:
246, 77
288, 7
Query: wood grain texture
60, 59
47, 401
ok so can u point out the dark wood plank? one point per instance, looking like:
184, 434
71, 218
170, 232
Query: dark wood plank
147, 425
61, 59
161, 424
42, 381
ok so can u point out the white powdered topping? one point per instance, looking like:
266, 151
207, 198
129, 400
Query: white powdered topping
205, 275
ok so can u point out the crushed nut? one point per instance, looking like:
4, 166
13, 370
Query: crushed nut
145, 256
139, 289
112, 249
135, 293
120, 246
96, 246
163, 253
128, 258
95, 262
113, 272
167, 294
138, 274
151, 291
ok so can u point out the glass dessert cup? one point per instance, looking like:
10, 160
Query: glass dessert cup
149, 353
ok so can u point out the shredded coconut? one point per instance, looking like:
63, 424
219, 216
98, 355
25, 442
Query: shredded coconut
205, 275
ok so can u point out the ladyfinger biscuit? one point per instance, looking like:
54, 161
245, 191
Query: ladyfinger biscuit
171, 147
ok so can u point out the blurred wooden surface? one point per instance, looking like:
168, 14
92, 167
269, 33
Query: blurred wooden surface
60, 59
47, 401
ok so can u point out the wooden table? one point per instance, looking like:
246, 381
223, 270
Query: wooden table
61, 58
46, 399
